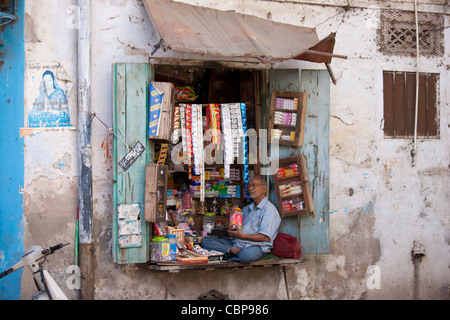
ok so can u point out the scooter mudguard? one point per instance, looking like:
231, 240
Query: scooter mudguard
55, 290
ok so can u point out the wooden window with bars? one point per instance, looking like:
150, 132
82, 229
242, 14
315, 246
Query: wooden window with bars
399, 91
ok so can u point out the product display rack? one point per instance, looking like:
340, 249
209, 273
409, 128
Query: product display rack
287, 117
300, 201
155, 192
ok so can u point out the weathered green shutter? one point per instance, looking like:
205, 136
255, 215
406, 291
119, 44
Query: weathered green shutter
315, 231
130, 122
312, 232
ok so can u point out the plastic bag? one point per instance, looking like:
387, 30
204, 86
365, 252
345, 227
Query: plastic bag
185, 93
286, 246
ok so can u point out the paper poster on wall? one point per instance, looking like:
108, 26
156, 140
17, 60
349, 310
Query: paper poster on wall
129, 222
47, 95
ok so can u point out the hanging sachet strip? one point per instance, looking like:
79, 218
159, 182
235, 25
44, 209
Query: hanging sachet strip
197, 145
227, 141
194, 137
176, 125
163, 153
245, 147
236, 128
183, 132
213, 123
217, 133
201, 158
189, 137
209, 123
238, 133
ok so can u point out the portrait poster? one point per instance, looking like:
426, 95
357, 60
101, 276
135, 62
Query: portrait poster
47, 90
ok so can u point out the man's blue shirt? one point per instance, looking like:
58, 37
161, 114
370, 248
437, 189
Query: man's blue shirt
261, 219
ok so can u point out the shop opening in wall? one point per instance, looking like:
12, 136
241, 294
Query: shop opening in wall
172, 188
199, 93
214, 108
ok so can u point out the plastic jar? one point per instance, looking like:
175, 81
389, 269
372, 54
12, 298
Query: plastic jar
160, 249
172, 240
236, 219
208, 221
215, 206
225, 209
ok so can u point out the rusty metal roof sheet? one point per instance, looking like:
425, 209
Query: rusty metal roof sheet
186, 28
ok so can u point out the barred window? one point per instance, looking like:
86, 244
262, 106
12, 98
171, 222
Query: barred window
397, 33
399, 91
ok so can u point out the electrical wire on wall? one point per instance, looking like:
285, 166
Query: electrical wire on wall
414, 150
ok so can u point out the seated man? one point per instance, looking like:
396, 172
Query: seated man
259, 227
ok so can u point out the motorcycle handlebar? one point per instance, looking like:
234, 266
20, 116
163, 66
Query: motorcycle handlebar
54, 248
5, 273
43, 252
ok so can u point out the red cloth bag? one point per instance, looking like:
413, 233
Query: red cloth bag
286, 246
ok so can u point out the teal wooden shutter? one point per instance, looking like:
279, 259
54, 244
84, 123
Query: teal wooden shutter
130, 121
315, 231
312, 232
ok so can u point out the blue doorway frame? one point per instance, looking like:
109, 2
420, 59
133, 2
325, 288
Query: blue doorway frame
12, 71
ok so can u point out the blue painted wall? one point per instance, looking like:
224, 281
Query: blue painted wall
11, 151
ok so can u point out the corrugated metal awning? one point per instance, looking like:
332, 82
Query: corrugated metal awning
186, 28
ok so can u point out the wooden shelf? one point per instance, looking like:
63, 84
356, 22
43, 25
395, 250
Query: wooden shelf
299, 127
303, 178
292, 195
290, 177
284, 125
174, 266
294, 212
286, 110
155, 181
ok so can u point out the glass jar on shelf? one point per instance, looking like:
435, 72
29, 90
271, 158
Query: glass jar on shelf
160, 249
208, 222
215, 206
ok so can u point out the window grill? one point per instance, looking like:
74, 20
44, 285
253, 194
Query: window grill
397, 33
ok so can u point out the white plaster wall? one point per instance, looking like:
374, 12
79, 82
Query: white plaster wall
50, 177
379, 202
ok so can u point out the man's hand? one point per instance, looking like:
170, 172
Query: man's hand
235, 250
251, 237
236, 233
